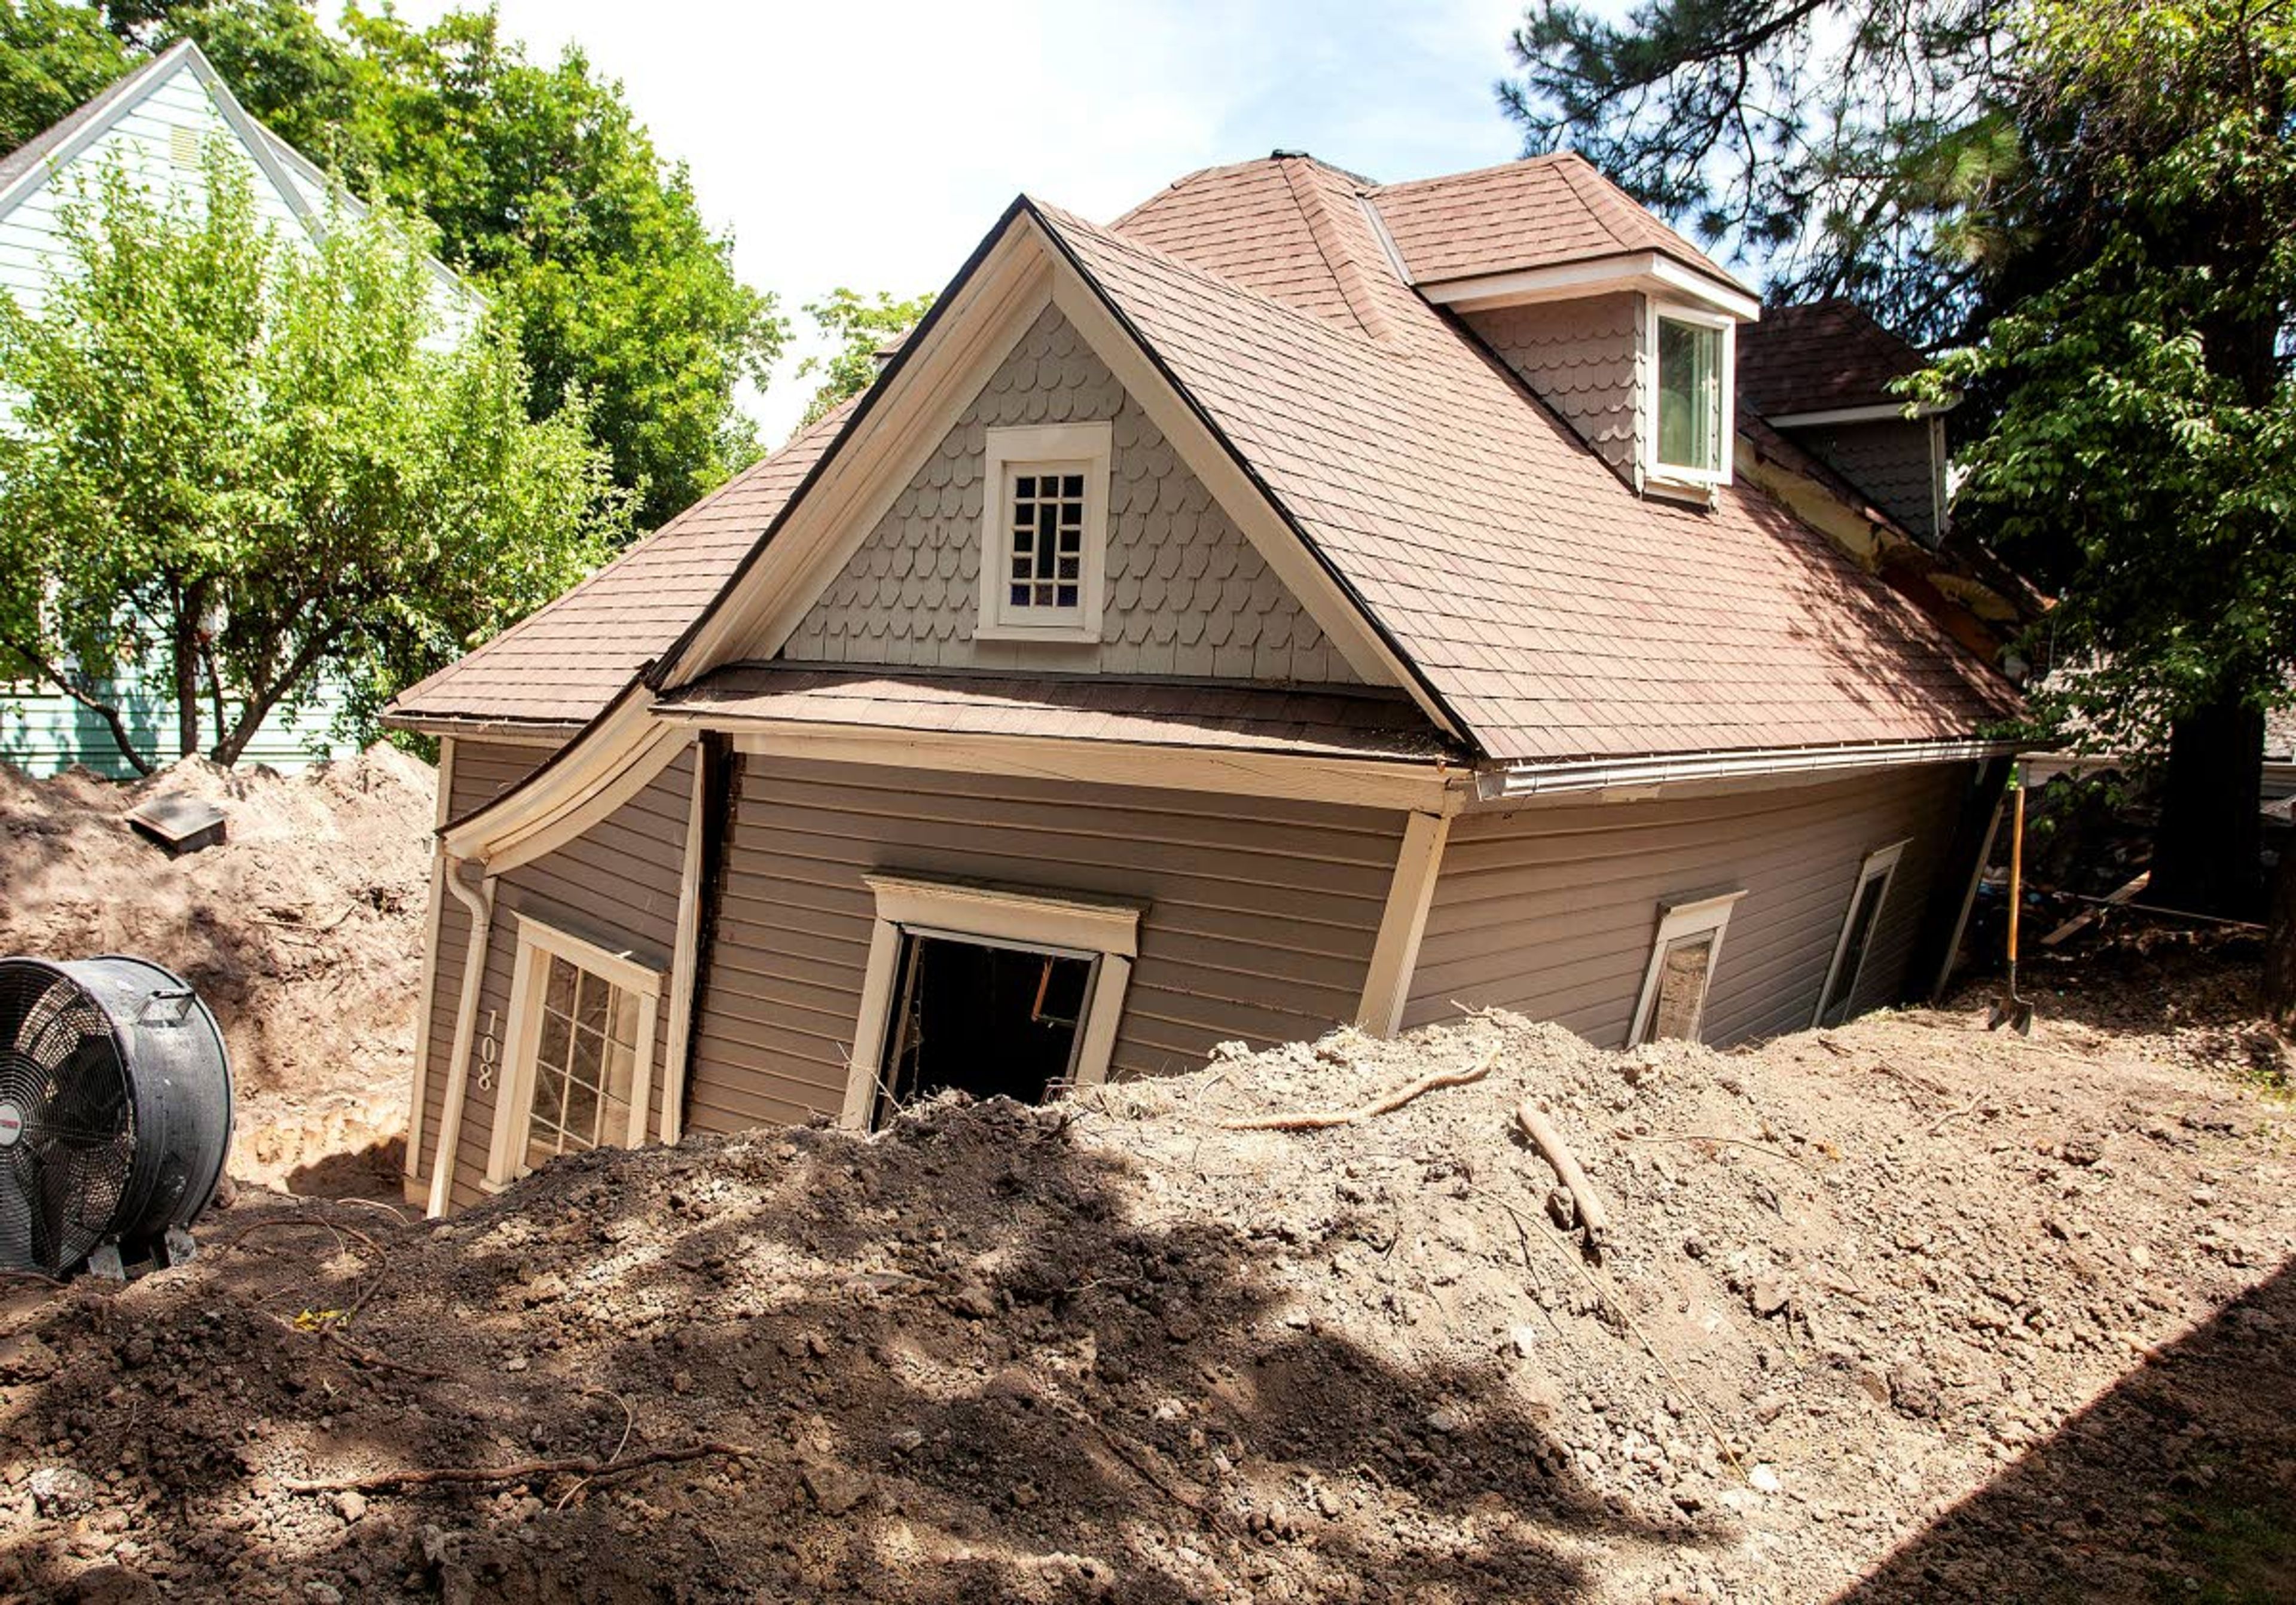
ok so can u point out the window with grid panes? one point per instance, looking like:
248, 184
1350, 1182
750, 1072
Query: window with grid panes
585, 1063
1045, 556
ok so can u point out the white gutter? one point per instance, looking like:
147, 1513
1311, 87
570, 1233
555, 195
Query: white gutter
1602, 775
1880, 412
480, 904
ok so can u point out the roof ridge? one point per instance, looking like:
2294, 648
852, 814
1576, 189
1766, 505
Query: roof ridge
1347, 272
1543, 159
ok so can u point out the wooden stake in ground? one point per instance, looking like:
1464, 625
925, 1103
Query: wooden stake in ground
1323, 1119
1541, 1131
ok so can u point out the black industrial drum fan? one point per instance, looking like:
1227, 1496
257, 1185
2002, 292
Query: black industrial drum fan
115, 1114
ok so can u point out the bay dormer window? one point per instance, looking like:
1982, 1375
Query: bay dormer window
1044, 533
1687, 422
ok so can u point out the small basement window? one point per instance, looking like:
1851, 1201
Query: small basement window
578, 1052
1858, 923
1045, 535
1688, 415
1682, 960
992, 990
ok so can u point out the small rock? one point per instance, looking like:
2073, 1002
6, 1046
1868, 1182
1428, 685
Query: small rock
114, 1585
61, 1491
1763, 1479
1024, 1495
350, 1504
323, 1594
1768, 1295
974, 1301
1525, 1340
515, 1363
835, 1489
681, 1381
1562, 1208
908, 1440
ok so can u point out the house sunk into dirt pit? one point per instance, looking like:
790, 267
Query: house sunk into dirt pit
1304, 601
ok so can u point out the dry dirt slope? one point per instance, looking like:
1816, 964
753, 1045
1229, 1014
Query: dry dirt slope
303, 931
1902, 1312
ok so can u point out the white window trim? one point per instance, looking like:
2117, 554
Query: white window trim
514, 1096
1880, 864
1089, 444
1664, 474
1107, 928
1676, 921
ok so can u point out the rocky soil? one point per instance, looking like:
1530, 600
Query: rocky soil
303, 931
1904, 1311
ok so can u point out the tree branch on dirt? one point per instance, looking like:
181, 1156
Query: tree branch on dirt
588, 1468
1396, 1099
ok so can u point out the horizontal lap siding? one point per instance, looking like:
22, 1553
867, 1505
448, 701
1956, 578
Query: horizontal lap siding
1552, 909
1261, 914
616, 883
483, 770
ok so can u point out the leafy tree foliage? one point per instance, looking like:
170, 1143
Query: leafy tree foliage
862, 327
1849, 149
2143, 460
242, 462
53, 55
546, 191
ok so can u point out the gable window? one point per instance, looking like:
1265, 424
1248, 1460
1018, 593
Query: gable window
1687, 415
578, 1053
1682, 964
1858, 923
1044, 541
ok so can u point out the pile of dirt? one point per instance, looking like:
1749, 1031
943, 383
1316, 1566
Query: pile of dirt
302, 930
1898, 1312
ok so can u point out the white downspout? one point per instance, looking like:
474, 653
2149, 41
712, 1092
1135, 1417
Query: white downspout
480, 903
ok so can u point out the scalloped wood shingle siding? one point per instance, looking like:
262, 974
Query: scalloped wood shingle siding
1551, 909
1186, 593
1259, 926
616, 883
1888, 459
1582, 358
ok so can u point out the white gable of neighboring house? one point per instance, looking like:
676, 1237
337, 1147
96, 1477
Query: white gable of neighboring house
156, 123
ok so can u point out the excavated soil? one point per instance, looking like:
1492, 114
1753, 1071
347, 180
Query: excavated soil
1900, 1312
302, 930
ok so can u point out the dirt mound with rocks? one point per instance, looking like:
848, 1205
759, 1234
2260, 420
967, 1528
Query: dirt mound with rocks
1898, 1312
302, 930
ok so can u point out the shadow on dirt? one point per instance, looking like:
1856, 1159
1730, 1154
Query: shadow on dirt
2177, 1484
969, 1361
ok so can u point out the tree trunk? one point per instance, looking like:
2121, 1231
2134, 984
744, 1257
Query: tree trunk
108, 712
185, 647
2280, 944
2207, 848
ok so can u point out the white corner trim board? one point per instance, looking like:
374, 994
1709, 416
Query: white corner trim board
1104, 930
429, 988
683, 973
1410, 893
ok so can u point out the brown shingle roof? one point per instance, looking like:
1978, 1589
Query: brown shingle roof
1540, 212
1555, 612
1820, 356
1232, 717
1550, 610
558, 667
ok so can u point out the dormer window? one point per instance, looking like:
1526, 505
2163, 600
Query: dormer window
1045, 518
1687, 413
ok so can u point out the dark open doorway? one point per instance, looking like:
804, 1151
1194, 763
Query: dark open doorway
985, 1020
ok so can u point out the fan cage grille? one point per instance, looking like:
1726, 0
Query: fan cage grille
67, 1121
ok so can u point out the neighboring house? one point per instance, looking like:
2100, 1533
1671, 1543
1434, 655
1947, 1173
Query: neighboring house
1304, 601
156, 123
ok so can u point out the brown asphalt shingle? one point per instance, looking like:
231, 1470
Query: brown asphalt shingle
1818, 357
1554, 612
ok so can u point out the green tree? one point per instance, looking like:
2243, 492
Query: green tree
53, 55
1847, 149
2143, 456
243, 462
546, 191
862, 327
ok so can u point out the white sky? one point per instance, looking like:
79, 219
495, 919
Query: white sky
872, 144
